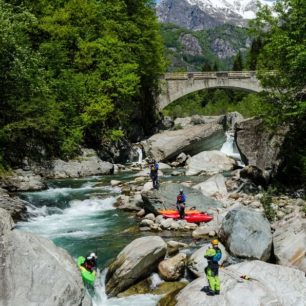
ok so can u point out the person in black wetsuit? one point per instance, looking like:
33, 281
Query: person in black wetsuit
181, 203
154, 174
90, 262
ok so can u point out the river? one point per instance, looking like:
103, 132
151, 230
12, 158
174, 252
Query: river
78, 215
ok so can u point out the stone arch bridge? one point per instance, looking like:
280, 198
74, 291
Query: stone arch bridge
176, 85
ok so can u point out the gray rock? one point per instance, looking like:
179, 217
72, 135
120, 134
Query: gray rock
215, 184
165, 198
174, 246
36, 272
197, 262
289, 240
134, 262
21, 180
209, 162
246, 234
13, 205
191, 140
259, 147
270, 285
191, 45
87, 164
223, 49
173, 268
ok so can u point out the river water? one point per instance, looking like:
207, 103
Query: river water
78, 215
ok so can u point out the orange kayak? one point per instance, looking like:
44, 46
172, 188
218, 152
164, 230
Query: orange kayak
172, 211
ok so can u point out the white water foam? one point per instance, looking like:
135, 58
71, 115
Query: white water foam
229, 147
100, 298
74, 221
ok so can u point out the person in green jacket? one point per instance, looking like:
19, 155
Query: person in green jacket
213, 256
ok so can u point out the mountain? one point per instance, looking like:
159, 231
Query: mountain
205, 14
188, 50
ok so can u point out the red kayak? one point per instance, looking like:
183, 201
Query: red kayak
192, 218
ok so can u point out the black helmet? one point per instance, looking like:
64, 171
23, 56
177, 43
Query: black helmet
181, 190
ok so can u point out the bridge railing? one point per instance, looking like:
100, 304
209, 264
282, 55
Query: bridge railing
210, 75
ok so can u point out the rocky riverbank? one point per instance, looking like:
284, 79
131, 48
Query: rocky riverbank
213, 182
36, 272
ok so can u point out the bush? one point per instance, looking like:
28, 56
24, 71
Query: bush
266, 201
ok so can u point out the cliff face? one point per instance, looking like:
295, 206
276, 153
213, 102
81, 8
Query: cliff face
205, 14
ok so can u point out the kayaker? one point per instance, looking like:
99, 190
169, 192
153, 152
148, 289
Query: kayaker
213, 256
90, 262
181, 203
154, 173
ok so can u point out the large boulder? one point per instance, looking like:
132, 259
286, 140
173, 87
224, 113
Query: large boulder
21, 180
209, 162
136, 261
197, 262
165, 198
173, 268
13, 205
247, 234
191, 140
269, 285
214, 185
36, 272
87, 164
289, 240
197, 119
258, 146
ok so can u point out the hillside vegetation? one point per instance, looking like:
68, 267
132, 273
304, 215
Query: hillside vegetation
75, 73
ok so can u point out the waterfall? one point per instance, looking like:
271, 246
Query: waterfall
139, 151
230, 149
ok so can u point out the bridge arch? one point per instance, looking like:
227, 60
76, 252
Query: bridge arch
176, 85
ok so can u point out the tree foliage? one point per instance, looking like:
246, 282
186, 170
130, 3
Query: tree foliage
75, 73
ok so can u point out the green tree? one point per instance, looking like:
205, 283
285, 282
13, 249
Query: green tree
253, 53
206, 67
238, 63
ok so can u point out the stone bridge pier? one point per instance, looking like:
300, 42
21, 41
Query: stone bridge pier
176, 85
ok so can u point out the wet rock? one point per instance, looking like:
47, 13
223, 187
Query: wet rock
289, 240
269, 285
174, 246
146, 223
197, 262
137, 260
246, 234
115, 183
209, 162
173, 268
36, 272
13, 205
192, 140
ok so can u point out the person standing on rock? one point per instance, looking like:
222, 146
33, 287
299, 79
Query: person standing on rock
213, 256
181, 203
154, 173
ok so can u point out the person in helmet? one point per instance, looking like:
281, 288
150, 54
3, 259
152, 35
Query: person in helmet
181, 203
213, 256
90, 262
154, 173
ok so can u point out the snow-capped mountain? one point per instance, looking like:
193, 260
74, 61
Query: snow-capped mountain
203, 14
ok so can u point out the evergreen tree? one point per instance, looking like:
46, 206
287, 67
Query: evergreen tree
216, 67
206, 67
254, 52
238, 64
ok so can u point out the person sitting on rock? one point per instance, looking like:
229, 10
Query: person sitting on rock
213, 256
181, 203
90, 263
154, 173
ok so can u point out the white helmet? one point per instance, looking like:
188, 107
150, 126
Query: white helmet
92, 255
